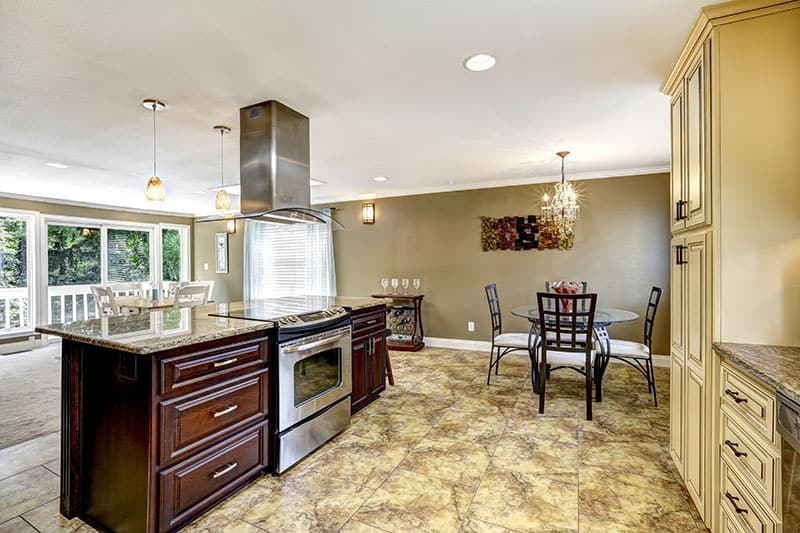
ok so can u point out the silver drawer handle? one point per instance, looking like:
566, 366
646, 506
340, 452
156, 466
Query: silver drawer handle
229, 409
226, 362
373, 321
224, 470
315, 344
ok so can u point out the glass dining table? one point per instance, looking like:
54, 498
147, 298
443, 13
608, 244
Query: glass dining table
603, 318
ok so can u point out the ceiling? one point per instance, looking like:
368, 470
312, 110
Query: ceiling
381, 81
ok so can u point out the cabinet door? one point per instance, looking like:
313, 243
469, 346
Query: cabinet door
677, 289
695, 428
696, 300
377, 364
677, 377
360, 363
677, 174
696, 195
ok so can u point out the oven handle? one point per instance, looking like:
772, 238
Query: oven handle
315, 344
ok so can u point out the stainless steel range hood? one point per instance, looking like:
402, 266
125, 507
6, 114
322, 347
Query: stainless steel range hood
274, 167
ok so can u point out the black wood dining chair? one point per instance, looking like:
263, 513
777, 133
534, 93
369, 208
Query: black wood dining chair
565, 322
640, 355
502, 343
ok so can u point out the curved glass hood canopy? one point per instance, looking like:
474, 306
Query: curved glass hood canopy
275, 167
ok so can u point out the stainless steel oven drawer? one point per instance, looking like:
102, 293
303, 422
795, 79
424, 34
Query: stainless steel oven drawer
301, 440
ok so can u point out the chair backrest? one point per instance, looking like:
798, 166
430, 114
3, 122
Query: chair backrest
566, 328
190, 295
209, 286
104, 300
126, 289
494, 309
650, 315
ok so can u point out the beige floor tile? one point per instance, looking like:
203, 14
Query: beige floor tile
393, 428
527, 502
527, 407
471, 525
412, 403
354, 526
26, 455
16, 525
525, 452
633, 501
458, 461
605, 428
25, 491
307, 502
563, 429
54, 466
231, 509
238, 526
412, 502
477, 427
644, 458
358, 460
47, 518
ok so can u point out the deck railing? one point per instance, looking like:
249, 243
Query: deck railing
14, 308
67, 303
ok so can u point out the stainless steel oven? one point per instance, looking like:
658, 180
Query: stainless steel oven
789, 428
314, 386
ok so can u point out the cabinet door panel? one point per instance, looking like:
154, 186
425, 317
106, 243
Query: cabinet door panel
695, 193
377, 364
676, 410
696, 299
360, 390
677, 289
677, 182
695, 425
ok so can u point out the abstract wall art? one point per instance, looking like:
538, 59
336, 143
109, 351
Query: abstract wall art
519, 233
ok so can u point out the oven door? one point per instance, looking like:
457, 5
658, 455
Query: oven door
313, 373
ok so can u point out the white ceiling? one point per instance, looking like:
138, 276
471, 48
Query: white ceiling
382, 82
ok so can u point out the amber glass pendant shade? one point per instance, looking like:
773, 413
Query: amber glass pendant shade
155, 190
223, 201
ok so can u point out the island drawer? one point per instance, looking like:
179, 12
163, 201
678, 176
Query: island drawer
752, 461
741, 506
743, 396
194, 420
191, 486
187, 371
369, 321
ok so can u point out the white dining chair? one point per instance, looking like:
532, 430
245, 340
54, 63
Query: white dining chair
126, 289
208, 283
104, 300
190, 295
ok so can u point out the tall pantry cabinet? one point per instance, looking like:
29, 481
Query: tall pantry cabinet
735, 213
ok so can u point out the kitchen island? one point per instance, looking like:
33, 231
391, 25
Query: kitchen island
163, 414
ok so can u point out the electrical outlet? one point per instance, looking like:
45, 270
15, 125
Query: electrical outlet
470, 326
205, 266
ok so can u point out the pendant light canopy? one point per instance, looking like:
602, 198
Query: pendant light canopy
222, 202
155, 187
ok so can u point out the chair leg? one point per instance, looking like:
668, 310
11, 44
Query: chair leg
653, 381
491, 359
497, 364
588, 372
542, 372
389, 372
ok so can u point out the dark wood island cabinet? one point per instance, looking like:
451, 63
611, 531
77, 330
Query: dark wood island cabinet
369, 355
163, 415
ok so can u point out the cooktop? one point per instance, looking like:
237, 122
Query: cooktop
288, 312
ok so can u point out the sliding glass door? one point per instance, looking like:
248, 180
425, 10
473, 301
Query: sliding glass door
74, 264
16, 272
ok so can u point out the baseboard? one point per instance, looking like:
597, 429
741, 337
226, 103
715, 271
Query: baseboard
485, 346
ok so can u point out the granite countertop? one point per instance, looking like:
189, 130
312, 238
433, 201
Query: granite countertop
155, 331
275, 308
777, 366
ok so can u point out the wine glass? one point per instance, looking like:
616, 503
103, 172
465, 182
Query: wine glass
395, 283
416, 285
405, 286
385, 284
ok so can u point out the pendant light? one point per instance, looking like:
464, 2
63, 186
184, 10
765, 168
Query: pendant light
155, 187
563, 206
222, 202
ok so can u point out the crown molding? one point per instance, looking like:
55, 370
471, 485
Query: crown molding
89, 205
491, 184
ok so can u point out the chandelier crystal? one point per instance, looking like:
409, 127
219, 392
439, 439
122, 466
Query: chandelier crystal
560, 211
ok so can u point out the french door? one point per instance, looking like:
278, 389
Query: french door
17, 272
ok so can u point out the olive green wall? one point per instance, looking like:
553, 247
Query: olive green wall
621, 249
227, 287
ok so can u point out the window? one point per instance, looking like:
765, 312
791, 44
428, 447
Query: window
288, 259
73, 265
16, 252
128, 256
174, 253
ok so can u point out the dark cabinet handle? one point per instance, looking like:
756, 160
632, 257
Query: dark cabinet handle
733, 499
734, 446
735, 395
679, 258
679, 214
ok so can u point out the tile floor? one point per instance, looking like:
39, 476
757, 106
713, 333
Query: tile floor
442, 452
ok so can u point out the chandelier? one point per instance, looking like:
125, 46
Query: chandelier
560, 211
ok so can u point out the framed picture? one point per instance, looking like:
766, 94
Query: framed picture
221, 247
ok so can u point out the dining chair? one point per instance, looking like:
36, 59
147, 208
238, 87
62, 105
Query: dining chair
563, 287
209, 286
104, 300
190, 295
562, 329
126, 289
640, 355
502, 343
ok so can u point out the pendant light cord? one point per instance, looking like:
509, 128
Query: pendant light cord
221, 158
562, 169
154, 140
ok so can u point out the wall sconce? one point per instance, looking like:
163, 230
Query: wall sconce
368, 213
230, 226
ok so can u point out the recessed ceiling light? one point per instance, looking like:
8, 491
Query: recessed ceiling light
380, 179
57, 165
479, 62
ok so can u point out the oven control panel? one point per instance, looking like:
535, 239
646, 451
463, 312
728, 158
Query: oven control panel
314, 317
